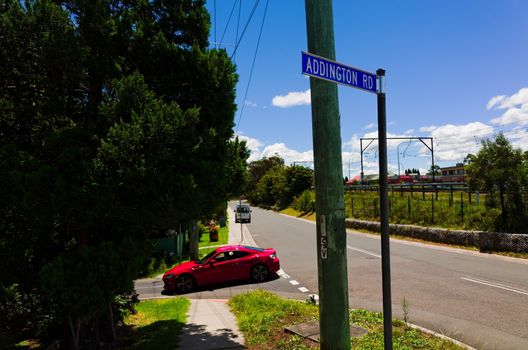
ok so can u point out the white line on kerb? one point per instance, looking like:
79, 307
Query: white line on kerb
364, 251
294, 282
496, 285
303, 289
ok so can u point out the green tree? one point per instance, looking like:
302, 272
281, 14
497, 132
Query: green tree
434, 170
258, 168
237, 168
500, 170
115, 121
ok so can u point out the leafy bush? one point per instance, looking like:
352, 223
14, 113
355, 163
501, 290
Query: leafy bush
305, 202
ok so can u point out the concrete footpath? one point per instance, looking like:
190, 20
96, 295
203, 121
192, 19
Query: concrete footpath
210, 323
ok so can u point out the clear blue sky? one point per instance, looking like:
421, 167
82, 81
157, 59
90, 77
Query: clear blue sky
457, 71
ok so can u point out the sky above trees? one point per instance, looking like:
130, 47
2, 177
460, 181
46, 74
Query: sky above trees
456, 71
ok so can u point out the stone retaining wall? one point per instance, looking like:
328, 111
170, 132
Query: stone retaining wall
485, 241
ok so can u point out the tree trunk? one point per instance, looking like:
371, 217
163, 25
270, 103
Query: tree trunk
75, 329
111, 320
503, 209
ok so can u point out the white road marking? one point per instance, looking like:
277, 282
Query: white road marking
304, 290
283, 274
496, 285
294, 282
364, 251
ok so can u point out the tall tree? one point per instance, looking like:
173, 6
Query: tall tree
500, 170
113, 116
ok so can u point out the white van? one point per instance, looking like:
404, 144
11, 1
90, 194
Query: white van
242, 213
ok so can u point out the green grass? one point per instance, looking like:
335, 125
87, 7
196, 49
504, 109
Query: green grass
261, 316
449, 212
19, 340
157, 323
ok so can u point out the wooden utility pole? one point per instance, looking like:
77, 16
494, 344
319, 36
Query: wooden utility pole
330, 206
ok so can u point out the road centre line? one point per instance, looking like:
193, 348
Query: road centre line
364, 251
496, 285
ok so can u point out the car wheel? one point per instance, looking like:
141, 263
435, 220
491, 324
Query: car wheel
259, 273
184, 284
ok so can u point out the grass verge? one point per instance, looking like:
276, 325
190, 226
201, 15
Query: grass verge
261, 316
157, 323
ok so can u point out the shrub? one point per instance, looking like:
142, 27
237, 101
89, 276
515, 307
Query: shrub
305, 203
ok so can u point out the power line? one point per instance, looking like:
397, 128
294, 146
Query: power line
216, 45
252, 65
238, 24
246, 26
228, 21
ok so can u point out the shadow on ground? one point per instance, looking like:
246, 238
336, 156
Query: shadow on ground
158, 335
197, 338
272, 277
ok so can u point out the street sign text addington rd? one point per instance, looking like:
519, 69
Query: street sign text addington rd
336, 72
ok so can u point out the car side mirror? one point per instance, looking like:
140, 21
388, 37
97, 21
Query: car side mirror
212, 261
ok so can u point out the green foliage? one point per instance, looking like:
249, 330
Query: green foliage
500, 170
415, 210
262, 316
258, 168
305, 202
115, 121
280, 185
157, 323
237, 157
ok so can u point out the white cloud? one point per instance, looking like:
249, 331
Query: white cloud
409, 132
292, 99
428, 128
289, 155
254, 147
518, 137
516, 107
513, 116
502, 102
369, 126
250, 103
454, 142
494, 101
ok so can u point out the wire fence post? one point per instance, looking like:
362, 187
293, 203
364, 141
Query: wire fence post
432, 209
409, 207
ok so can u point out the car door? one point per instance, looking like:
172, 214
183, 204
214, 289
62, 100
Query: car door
219, 268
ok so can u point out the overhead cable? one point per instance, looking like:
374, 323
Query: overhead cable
253, 65
246, 26
228, 21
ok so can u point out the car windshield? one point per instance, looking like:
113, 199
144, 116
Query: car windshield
243, 209
205, 258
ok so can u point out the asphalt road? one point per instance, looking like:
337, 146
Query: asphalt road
479, 299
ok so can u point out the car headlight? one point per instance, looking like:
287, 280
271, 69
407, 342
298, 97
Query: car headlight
273, 256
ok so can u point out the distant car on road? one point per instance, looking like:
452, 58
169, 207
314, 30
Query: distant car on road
242, 213
225, 264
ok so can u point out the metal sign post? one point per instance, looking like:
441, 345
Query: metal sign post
384, 214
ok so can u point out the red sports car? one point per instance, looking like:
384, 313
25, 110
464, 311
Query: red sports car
225, 264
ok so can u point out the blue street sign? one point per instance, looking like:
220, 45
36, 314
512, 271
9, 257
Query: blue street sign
322, 68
